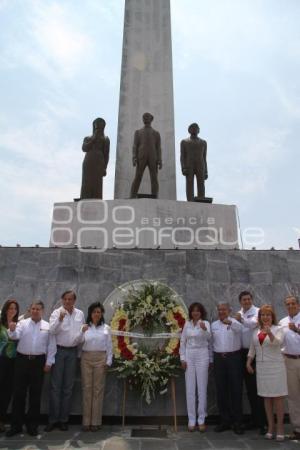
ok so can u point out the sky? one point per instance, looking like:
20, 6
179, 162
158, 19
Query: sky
236, 72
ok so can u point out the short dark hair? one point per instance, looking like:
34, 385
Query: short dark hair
69, 291
37, 302
200, 307
193, 125
244, 293
91, 309
3, 317
292, 296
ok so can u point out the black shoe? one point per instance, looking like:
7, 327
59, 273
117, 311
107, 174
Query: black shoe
32, 431
13, 431
63, 426
263, 430
50, 427
222, 427
238, 429
250, 426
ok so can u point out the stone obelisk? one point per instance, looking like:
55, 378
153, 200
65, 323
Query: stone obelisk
146, 86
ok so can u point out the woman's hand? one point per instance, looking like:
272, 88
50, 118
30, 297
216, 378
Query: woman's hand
250, 368
202, 325
12, 326
84, 328
267, 329
183, 365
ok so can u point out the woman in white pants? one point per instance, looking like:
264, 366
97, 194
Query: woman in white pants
194, 356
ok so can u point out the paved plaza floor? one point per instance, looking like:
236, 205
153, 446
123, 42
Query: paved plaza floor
115, 438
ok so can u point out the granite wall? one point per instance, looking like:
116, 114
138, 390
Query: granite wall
205, 275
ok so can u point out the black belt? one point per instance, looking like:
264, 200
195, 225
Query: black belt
292, 356
225, 354
21, 355
66, 348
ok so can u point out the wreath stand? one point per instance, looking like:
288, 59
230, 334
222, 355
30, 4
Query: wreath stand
173, 395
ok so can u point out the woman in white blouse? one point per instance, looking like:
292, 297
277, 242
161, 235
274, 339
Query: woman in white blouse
270, 368
194, 356
96, 358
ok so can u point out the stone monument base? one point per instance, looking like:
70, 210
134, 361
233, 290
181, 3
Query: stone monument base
143, 223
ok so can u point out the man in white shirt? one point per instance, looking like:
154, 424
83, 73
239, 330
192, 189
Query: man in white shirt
247, 316
65, 325
291, 351
35, 355
226, 341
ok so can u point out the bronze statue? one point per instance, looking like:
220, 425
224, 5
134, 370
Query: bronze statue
193, 162
95, 161
146, 153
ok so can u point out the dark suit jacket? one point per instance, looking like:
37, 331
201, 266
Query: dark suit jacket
147, 145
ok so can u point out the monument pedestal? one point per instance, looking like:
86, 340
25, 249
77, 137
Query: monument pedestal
98, 225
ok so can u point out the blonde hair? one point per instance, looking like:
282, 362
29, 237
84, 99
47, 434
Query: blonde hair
266, 309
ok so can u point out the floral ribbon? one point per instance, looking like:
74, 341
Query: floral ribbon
145, 336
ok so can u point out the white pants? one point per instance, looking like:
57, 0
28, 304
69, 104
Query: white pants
196, 375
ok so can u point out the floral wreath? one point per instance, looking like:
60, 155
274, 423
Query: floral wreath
154, 308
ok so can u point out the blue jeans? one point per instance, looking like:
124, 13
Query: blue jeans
61, 384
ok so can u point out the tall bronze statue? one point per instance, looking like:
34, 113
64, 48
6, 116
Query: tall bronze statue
193, 162
146, 153
96, 148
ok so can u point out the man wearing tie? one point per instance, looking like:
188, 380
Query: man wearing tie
291, 351
65, 325
226, 341
35, 355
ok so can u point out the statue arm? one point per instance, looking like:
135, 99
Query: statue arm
205, 161
106, 151
135, 148
158, 150
184, 169
87, 144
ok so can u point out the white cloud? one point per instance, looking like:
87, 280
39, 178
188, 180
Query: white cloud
54, 43
289, 98
233, 34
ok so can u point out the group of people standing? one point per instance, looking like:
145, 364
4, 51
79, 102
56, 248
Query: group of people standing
247, 346
31, 347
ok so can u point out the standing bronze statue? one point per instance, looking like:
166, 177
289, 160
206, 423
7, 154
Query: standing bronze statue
95, 161
146, 153
193, 163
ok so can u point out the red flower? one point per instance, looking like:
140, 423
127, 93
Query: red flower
122, 324
122, 345
127, 354
176, 350
179, 319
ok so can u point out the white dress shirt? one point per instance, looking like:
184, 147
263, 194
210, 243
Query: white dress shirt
98, 339
291, 343
226, 338
249, 322
34, 339
68, 331
194, 337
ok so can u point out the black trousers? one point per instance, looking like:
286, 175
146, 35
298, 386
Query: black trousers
7, 366
190, 186
229, 384
29, 375
256, 402
140, 169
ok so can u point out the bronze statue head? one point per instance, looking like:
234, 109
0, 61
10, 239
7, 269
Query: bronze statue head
194, 129
99, 124
147, 118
